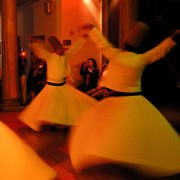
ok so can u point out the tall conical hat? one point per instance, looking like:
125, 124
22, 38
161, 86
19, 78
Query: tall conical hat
137, 34
55, 43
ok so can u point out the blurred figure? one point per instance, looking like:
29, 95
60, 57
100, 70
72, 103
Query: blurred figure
125, 128
22, 64
100, 92
0, 82
133, 43
19, 161
37, 76
40, 76
90, 74
58, 103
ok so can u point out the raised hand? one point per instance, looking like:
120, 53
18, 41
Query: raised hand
176, 36
84, 29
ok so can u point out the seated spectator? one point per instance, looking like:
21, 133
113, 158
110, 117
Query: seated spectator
100, 92
90, 75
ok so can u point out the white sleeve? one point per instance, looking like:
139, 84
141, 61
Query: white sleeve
107, 49
159, 51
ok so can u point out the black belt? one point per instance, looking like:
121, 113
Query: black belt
116, 93
56, 84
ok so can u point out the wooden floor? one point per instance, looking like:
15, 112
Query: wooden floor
52, 147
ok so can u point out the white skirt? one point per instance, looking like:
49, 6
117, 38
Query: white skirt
19, 161
56, 105
128, 131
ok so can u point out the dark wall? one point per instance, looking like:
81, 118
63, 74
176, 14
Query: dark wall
160, 79
113, 24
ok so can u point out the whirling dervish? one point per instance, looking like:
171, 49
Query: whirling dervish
58, 102
19, 161
125, 128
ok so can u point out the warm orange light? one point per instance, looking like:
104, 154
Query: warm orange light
23, 53
87, 1
113, 5
92, 6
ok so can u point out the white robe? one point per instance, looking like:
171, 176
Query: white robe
19, 161
56, 104
126, 130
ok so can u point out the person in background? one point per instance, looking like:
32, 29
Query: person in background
58, 103
125, 128
90, 74
40, 76
22, 64
0, 82
100, 92
37, 76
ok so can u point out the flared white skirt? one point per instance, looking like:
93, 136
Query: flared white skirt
56, 105
128, 131
18, 161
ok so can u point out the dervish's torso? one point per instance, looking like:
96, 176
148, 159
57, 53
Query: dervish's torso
57, 68
123, 73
